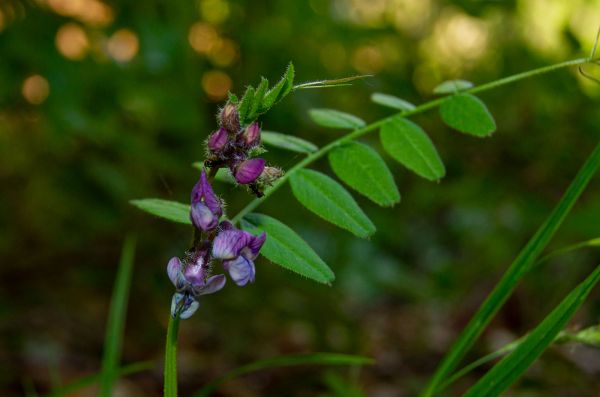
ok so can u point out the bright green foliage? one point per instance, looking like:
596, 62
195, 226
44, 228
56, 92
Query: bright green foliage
406, 142
468, 114
257, 101
115, 326
285, 361
507, 371
279, 90
328, 199
170, 210
287, 142
452, 87
285, 248
363, 169
335, 119
391, 101
246, 103
223, 174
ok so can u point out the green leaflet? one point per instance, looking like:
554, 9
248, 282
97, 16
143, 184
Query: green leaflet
452, 87
287, 142
406, 142
279, 90
259, 95
246, 103
335, 119
285, 361
391, 101
467, 113
507, 371
170, 210
115, 326
364, 170
328, 199
285, 248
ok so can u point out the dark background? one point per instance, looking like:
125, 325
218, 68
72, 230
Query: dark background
103, 102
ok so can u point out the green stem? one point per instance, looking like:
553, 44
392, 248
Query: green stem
170, 389
375, 125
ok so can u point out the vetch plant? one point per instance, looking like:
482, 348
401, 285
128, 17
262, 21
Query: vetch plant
234, 243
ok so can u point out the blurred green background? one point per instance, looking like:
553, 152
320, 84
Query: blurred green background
106, 101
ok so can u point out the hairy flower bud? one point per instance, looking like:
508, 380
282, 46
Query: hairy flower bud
217, 140
230, 118
251, 135
248, 171
270, 175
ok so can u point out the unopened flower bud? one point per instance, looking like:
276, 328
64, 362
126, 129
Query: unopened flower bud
217, 140
230, 118
248, 171
251, 135
270, 175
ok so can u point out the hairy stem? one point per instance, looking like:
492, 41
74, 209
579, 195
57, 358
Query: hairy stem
170, 379
377, 124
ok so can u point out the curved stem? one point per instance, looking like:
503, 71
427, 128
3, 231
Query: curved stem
375, 125
170, 379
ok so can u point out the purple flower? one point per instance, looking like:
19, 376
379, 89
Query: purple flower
206, 206
251, 135
217, 140
191, 283
238, 249
249, 170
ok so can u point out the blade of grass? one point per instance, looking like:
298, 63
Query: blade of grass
285, 361
89, 380
116, 319
513, 275
595, 242
509, 369
170, 376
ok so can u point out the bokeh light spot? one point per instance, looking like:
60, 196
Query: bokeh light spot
72, 41
202, 37
214, 11
35, 89
216, 84
90, 12
123, 45
368, 59
224, 53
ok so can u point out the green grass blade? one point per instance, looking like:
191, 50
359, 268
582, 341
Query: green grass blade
285, 361
116, 319
515, 272
170, 386
507, 371
92, 379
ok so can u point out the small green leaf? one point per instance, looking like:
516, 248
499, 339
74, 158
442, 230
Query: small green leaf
259, 95
391, 101
507, 371
363, 169
467, 113
285, 248
287, 142
335, 119
452, 87
246, 103
328, 199
406, 142
280, 90
171, 210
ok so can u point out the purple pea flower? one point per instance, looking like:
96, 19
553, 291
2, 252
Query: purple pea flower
191, 283
249, 170
206, 206
238, 249
217, 140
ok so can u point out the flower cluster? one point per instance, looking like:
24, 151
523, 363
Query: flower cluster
232, 146
215, 241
